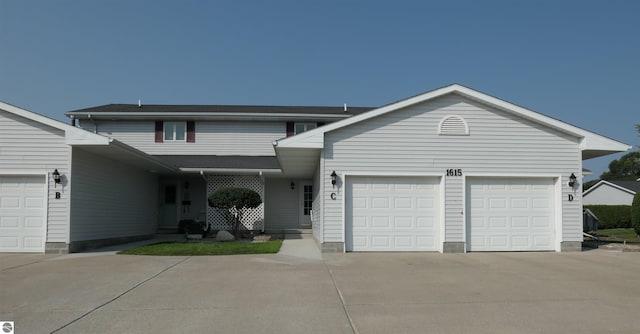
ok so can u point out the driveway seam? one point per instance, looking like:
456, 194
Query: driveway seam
21, 265
344, 304
118, 296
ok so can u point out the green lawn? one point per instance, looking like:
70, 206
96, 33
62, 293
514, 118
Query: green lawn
206, 248
620, 233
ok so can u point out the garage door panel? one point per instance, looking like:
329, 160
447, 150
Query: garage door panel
540, 203
497, 203
519, 203
400, 223
402, 213
22, 213
9, 202
542, 222
34, 202
360, 203
519, 215
427, 242
380, 222
380, 203
9, 242
33, 222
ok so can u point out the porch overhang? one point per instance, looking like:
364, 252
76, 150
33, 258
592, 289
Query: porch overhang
298, 162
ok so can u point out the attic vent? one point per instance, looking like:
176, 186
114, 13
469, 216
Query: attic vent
453, 125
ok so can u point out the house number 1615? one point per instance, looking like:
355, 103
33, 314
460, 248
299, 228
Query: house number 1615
454, 172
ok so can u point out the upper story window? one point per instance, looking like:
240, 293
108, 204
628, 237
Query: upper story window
175, 131
302, 127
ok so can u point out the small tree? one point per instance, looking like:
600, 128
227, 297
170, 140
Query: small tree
235, 202
635, 213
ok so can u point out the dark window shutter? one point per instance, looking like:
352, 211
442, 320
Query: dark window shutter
191, 132
159, 131
290, 130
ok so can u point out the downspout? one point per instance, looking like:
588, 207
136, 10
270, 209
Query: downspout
95, 125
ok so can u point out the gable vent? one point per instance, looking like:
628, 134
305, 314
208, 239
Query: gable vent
453, 125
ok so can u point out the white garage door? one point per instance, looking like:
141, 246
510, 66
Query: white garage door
392, 214
510, 214
22, 213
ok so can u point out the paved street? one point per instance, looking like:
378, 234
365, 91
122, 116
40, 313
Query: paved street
590, 292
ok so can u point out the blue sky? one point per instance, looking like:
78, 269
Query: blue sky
578, 61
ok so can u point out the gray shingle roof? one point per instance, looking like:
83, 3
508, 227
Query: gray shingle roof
220, 161
168, 108
631, 185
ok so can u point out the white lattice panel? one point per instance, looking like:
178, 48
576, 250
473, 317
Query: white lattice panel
253, 218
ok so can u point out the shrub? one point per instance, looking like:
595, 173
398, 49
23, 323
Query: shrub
611, 216
234, 202
635, 213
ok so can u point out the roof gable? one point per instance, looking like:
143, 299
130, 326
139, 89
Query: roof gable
630, 187
73, 135
592, 144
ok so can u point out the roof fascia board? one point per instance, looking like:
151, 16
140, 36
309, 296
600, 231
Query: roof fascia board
139, 153
232, 170
206, 116
605, 182
73, 135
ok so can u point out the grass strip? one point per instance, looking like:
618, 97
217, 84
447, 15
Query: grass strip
205, 248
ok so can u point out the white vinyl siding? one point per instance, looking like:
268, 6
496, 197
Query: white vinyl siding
407, 141
607, 195
111, 199
212, 138
30, 147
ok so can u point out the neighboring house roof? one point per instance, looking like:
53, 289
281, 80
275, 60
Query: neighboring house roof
92, 142
217, 163
592, 144
630, 187
165, 111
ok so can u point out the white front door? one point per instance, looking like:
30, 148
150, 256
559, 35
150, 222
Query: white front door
22, 213
305, 203
392, 214
510, 214
169, 204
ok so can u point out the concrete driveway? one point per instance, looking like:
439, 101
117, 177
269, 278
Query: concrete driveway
590, 292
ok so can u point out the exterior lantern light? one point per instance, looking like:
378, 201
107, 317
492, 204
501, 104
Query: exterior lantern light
56, 177
572, 180
292, 185
334, 176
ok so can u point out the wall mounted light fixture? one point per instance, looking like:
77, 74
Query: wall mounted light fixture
292, 185
572, 180
334, 177
56, 177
